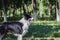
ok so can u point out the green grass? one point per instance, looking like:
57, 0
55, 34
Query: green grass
47, 22
44, 29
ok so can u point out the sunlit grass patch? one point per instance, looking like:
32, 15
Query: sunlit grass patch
47, 22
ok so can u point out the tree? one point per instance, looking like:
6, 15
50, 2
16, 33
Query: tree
49, 9
58, 10
5, 11
24, 8
34, 9
41, 8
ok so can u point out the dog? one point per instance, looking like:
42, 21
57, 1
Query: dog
19, 28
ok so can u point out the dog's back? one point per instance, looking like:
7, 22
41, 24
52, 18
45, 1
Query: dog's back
15, 27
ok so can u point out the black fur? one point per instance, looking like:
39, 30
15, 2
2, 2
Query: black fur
27, 16
13, 27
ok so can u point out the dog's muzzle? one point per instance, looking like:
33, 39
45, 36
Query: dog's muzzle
31, 20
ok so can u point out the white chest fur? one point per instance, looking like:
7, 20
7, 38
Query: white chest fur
25, 23
25, 26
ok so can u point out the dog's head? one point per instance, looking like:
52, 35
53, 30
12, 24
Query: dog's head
28, 17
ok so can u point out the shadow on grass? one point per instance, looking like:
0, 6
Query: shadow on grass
44, 31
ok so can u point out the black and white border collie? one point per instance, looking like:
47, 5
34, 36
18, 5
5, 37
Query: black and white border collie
19, 28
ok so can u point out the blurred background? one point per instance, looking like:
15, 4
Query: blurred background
46, 14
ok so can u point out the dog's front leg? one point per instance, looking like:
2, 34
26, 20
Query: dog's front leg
19, 37
24, 32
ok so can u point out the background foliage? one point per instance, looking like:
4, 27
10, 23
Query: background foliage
46, 14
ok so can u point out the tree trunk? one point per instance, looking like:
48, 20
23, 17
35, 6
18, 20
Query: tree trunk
49, 12
14, 10
5, 16
57, 11
49, 9
41, 9
24, 8
0, 15
5, 11
34, 9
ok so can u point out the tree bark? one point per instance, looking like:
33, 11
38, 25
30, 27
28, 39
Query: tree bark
5, 11
5, 16
34, 9
57, 11
41, 9
14, 10
49, 9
